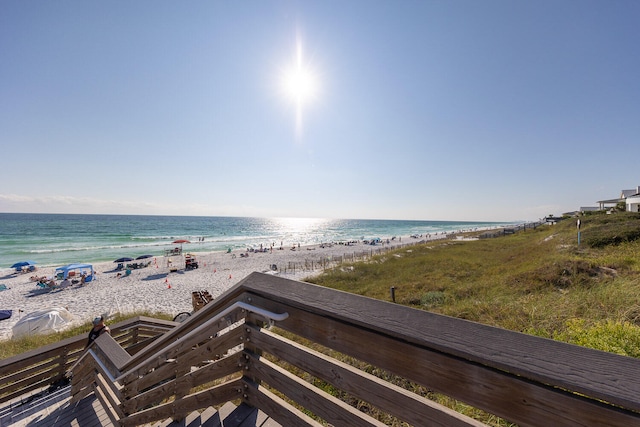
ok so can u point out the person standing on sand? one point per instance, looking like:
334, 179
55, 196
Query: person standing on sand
98, 329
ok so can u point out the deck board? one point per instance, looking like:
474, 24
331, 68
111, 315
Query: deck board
56, 410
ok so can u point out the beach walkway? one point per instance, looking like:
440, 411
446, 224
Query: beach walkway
56, 410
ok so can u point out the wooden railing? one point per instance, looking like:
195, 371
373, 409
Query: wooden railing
48, 365
228, 352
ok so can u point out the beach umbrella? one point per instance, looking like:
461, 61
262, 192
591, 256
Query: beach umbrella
124, 259
144, 256
180, 242
23, 264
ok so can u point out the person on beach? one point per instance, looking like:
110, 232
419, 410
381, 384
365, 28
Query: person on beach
98, 329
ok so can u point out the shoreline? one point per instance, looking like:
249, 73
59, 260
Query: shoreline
155, 288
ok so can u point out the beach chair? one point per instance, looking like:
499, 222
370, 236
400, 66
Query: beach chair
46, 286
3, 287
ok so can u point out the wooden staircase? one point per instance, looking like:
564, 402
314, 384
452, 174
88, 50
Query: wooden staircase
229, 415
56, 409
333, 358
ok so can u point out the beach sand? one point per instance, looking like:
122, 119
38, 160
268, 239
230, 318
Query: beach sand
156, 289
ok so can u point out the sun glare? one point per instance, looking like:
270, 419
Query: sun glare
299, 84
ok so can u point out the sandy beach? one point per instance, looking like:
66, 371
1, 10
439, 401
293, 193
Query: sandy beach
155, 288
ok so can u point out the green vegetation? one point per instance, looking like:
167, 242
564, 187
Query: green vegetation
536, 281
12, 347
539, 282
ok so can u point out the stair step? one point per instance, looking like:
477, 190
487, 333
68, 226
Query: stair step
229, 415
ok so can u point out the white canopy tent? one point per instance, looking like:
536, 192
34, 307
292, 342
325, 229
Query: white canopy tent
42, 322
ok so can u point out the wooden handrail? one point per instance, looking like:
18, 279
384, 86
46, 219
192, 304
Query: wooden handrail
526, 380
39, 368
499, 371
203, 328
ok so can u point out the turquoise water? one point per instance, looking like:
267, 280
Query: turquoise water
58, 239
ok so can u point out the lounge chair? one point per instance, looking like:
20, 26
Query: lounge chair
47, 286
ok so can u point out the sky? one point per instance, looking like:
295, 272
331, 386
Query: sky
493, 110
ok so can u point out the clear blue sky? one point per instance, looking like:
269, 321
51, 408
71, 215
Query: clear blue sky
434, 110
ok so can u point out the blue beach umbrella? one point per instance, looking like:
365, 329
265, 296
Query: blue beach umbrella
144, 256
124, 259
19, 265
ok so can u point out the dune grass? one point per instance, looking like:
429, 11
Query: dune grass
538, 281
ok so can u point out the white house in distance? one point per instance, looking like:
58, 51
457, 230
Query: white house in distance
631, 198
633, 201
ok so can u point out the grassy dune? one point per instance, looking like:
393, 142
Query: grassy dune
538, 281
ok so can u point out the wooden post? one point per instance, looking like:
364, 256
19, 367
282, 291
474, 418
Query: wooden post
393, 293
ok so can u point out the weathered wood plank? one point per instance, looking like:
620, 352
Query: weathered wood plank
313, 399
63, 354
216, 395
110, 396
203, 375
111, 353
24, 387
591, 372
284, 413
389, 398
41, 370
106, 405
69, 345
200, 317
133, 349
32, 357
210, 349
180, 346
510, 396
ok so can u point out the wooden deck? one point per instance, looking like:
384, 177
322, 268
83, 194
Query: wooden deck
245, 346
56, 410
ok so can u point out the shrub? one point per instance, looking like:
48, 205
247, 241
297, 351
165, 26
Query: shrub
432, 299
604, 230
612, 336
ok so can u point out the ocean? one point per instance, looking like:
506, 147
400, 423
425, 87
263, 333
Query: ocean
59, 239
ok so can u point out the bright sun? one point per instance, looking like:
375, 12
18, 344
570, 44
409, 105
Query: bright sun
299, 84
